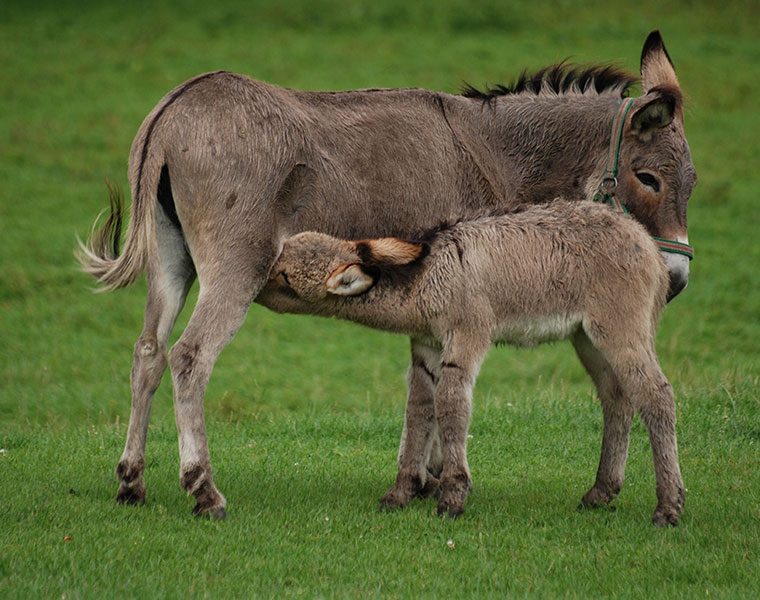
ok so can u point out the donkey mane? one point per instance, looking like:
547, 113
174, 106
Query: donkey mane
562, 78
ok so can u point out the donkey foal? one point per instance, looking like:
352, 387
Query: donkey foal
543, 273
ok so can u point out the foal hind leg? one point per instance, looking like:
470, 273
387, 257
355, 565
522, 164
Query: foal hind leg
617, 411
168, 284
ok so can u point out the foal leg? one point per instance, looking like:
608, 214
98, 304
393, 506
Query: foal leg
460, 362
618, 416
168, 284
652, 396
420, 437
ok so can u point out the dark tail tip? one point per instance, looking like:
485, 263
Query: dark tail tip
106, 243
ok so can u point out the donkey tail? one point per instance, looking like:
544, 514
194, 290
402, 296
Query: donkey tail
101, 257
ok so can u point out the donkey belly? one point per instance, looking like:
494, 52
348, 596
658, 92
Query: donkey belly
535, 330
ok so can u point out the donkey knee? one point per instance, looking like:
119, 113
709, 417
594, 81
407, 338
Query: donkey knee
149, 360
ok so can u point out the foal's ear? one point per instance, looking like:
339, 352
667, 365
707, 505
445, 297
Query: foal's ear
390, 251
349, 280
658, 112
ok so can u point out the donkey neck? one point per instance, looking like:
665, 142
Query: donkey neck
550, 145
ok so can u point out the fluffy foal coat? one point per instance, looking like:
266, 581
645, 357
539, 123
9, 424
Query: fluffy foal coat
544, 273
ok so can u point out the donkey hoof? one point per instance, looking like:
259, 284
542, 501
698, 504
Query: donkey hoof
596, 506
131, 495
391, 502
217, 513
598, 497
663, 518
451, 512
432, 488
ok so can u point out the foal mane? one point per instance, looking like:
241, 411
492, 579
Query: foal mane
560, 79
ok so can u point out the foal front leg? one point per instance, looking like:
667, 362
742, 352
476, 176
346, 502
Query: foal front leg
460, 363
618, 412
643, 381
420, 438
653, 397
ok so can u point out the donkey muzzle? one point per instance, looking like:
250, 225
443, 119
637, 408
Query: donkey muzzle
678, 269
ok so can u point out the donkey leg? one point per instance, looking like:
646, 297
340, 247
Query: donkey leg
168, 284
420, 434
643, 380
460, 363
618, 413
219, 313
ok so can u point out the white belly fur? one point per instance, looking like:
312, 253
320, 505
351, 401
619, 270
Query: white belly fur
531, 331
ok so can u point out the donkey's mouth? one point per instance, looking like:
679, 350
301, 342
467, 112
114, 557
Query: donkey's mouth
678, 269
677, 285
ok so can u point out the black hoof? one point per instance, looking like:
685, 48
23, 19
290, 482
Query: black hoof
449, 512
130, 496
218, 513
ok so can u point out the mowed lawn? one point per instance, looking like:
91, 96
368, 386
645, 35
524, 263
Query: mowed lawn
304, 414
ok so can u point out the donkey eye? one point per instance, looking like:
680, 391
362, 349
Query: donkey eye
285, 277
649, 180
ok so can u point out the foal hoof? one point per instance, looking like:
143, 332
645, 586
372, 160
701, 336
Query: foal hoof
217, 513
391, 501
432, 488
596, 506
663, 518
449, 511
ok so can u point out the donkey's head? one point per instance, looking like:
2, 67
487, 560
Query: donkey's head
313, 265
655, 172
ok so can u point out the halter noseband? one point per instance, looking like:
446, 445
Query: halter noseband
606, 191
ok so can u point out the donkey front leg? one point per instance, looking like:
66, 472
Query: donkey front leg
220, 312
460, 363
420, 439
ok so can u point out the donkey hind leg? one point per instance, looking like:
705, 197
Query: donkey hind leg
617, 410
168, 284
222, 305
420, 439
643, 381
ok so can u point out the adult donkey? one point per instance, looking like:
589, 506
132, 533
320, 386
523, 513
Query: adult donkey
225, 167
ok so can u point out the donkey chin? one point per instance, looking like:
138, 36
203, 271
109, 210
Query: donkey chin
678, 268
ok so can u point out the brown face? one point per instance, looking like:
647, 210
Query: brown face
655, 173
656, 177
305, 263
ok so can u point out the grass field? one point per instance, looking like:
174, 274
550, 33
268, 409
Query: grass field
302, 434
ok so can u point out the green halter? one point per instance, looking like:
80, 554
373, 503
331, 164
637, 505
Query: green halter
606, 191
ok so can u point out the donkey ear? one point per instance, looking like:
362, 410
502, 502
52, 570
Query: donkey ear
349, 280
656, 67
655, 114
390, 251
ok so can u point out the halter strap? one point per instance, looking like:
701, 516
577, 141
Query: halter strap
606, 191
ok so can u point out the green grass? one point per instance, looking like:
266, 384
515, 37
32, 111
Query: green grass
77, 80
